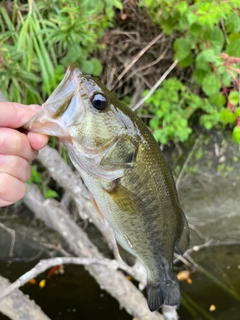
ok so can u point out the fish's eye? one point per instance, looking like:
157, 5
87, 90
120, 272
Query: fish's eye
99, 101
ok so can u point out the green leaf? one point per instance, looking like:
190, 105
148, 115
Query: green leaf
186, 62
97, 67
118, 4
209, 120
234, 98
181, 7
86, 67
227, 116
154, 123
160, 136
233, 36
226, 79
215, 37
211, 84
232, 23
199, 75
236, 134
233, 48
218, 99
191, 17
50, 194
237, 112
182, 48
203, 59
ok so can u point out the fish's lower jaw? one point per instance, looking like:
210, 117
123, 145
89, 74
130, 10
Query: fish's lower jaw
160, 294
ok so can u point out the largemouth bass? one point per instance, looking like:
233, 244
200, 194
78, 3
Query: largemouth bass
126, 173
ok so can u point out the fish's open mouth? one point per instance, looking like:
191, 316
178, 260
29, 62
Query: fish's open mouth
41, 123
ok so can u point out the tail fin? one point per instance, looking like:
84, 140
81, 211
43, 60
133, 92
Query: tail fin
163, 294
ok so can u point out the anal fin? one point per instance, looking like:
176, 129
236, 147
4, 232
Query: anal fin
183, 241
127, 257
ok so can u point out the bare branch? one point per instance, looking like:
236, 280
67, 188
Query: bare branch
43, 265
135, 59
179, 178
112, 280
157, 84
17, 306
13, 235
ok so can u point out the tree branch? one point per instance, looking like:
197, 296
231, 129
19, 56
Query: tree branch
112, 280
43, 265
157, 84
17, 306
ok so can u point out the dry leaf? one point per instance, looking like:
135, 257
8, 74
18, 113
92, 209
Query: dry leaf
42, 283
32, 281
183, 275
212, 307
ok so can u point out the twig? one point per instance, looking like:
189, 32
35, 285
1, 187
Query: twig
136, 58
224, 31
13, 234
57, 247
154, 88
197, 231
189, 157
43, 265
145, 66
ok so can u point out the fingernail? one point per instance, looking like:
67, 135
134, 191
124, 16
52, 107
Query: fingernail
34, 107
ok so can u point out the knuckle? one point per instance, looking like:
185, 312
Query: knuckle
3, 141
18, 143
22, 191
3, 182
11, 189
28, 172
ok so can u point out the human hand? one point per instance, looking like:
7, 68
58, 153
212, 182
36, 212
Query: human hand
16, 150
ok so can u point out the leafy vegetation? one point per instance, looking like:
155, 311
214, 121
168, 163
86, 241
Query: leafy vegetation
207, 39
39, 38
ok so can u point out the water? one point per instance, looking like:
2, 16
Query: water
222, 266
75, 295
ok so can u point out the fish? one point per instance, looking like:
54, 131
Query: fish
126, 173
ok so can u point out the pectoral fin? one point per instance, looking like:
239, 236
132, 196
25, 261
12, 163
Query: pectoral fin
127, 257
183, 241
97, 209
126, 201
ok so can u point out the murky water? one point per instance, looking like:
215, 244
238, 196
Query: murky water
215, 289
75, 295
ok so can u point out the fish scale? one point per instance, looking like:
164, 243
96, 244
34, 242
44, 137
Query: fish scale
126, 173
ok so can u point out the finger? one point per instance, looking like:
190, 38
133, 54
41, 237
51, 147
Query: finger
37, 141
15, 115
4, 203
15, 166
11, 189
13, 142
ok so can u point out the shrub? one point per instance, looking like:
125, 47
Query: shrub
207, 38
